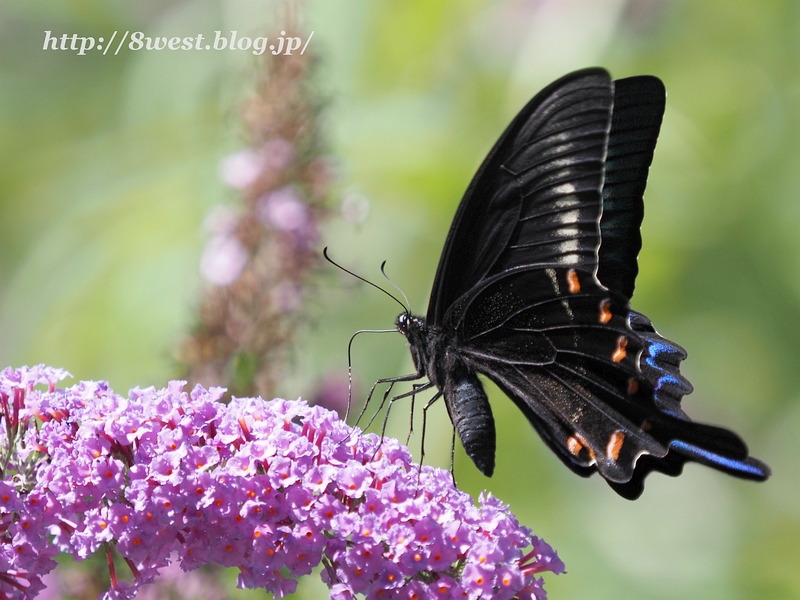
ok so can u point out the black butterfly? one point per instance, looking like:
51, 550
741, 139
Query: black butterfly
533, 291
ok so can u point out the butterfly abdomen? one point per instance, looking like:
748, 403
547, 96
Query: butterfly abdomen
472, 417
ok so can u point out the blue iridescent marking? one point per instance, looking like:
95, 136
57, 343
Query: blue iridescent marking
654, 349
728, 463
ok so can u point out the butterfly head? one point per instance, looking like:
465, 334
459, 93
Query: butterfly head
416, 332
410, 325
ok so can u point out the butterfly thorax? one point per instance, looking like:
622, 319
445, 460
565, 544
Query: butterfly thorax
432, 349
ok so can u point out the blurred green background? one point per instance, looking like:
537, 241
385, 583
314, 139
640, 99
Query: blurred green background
108, 165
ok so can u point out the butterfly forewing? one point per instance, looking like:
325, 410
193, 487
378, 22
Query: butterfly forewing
536, 198
638, 109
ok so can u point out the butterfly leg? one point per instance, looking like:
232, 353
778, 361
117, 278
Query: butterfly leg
425, 408
380, 406
386, 395
366, 403
391, 381
416, 389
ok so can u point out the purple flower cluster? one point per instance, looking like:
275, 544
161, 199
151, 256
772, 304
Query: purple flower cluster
271, 487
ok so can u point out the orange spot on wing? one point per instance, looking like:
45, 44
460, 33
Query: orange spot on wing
620, 352
646, 426
574, 445
605, 311
615, 444
633, 386
573, 284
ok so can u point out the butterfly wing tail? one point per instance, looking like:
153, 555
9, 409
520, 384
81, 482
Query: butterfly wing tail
686, 441
712, 446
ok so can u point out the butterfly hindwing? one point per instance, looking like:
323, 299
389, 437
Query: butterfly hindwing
580, 398
580, 425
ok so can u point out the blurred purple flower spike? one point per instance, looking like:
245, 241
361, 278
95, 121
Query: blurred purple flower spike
261, 257
271, 487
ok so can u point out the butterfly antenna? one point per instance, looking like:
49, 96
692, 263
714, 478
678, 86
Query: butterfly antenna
350, 367
397, 287
453, 458
337, 265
